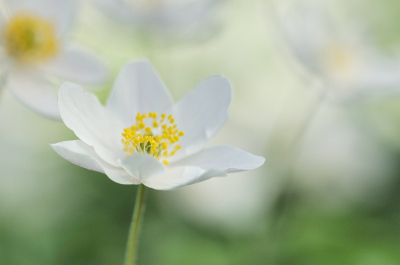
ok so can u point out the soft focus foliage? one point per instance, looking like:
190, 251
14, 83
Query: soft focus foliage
341, 205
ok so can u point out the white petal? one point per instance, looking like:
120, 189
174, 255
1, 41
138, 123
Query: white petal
116, 9
83, 155
308, 31
138, 89
222, 158
61, 12
170, 19
143, 166
181, 176
201, 113
32, 90
187, 15
212, 162
91, 122
382, 73
77, 66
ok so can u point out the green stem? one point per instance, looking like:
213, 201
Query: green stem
290, 156
285, 197
136, 225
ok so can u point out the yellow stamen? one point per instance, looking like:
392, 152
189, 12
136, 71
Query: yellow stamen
28, 38
157, 141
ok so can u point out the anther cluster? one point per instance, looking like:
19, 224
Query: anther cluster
153, 135
28, 38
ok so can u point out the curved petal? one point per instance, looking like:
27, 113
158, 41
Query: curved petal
201, 113
61, 12
185, 15
212, 162
222, 158
143, 166
307, 29
83, 155
91, 122
138, 89
181, 176
32, 90
381, 74
115, 9
169, 19
77, 66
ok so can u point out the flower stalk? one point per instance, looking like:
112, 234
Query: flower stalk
136, 226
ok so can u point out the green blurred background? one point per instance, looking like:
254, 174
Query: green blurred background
343, 204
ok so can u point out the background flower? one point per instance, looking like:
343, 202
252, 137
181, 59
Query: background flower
343, 58
36, 54
193, 19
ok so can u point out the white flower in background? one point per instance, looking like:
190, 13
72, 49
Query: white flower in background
34, 53
141, 137
340, 162
178, 18
347, 63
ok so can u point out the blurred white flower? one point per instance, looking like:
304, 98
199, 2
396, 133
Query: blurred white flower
348, 63
195, 19
134, 138
34, 52
341, 162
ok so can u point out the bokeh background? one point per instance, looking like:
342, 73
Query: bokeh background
339, 203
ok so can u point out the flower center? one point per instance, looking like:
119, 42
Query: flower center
158, 140
30, 38
340, 59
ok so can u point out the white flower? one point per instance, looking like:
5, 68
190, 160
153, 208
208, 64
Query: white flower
141, 137
347, 63
179, 18
33, 53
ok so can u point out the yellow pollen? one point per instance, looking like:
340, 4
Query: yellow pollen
28, 38
158, 141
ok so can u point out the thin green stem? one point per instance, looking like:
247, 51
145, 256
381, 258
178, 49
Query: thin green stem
292, 152
287, 172
136, 225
